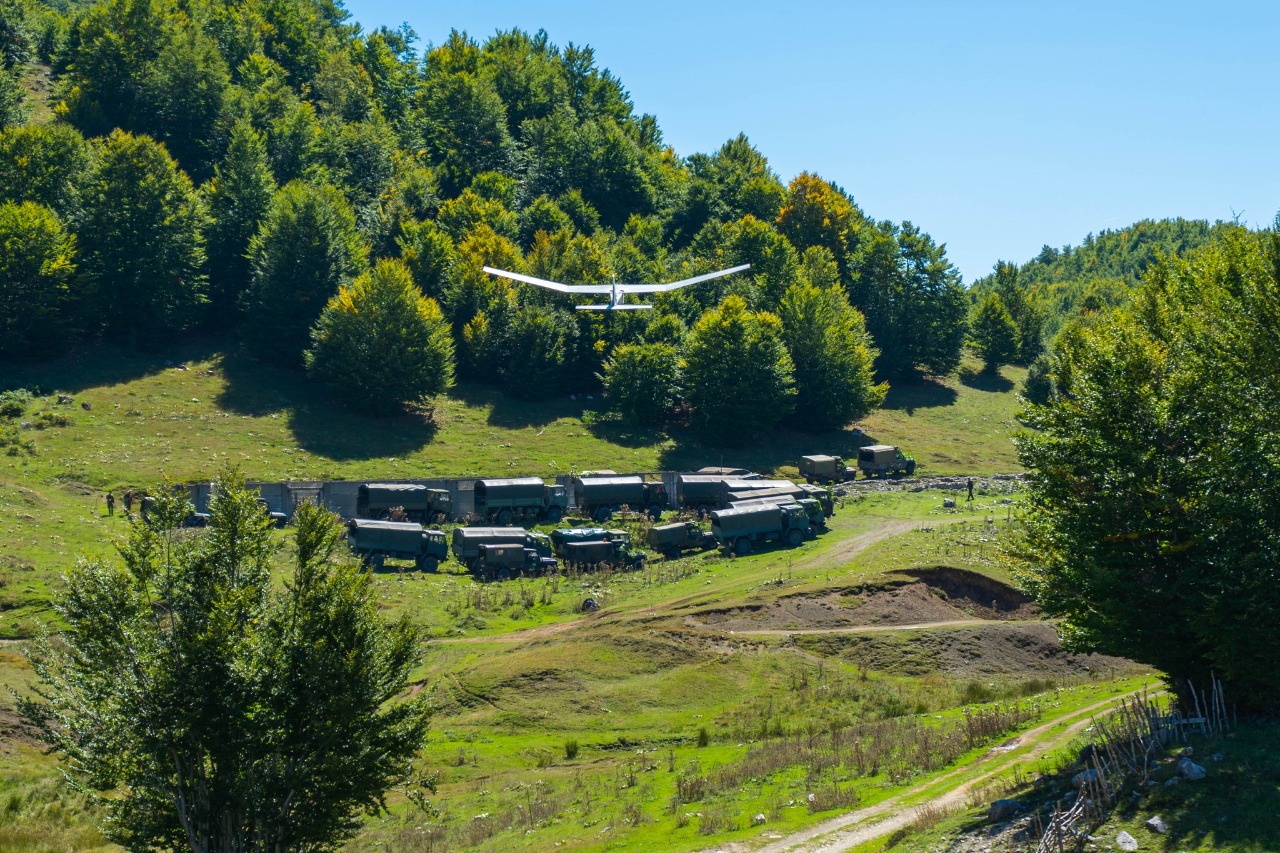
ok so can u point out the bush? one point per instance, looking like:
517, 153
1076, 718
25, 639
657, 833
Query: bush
13, 403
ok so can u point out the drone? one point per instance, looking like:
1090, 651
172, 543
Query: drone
615, 290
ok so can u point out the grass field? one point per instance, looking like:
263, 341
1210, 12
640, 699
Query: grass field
709, 701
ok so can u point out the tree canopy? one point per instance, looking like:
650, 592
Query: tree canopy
220, 710
1154, 530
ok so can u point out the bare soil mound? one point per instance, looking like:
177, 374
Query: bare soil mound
938, 594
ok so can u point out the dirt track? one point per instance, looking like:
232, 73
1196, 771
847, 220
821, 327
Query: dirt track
852, 829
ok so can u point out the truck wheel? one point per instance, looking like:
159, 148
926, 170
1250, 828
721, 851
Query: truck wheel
671, 554
504, 518
376, 562
429, 564
703, 509
655, 511
603, 514
794, 537
554, 514
742, 546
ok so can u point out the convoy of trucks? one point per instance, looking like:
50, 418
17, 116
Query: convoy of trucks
746, 512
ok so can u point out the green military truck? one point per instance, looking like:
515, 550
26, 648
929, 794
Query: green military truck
701, 492
564, 535
812, 508
466, 541
881, 460
420, 504
672, 540
500, 561
792, 491
600, 497
374, 541
602, 553
527, 498
826, 469
742, 529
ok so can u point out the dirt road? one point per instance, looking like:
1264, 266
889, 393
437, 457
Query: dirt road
858, 827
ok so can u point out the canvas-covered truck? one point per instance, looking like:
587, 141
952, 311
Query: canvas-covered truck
880, 460
506, 560
702, 492
672, 540
826, 469
466, 541
602, 553
742, 529
374, 541
420, 504
795, 492
527, 498
812, 508
564, 535
600, 497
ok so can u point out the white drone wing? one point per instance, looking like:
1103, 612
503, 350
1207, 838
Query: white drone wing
551, 285
663, 288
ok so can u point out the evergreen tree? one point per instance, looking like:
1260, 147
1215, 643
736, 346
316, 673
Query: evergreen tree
238, 196
994, 334
308, 247
222, 710
380, 344
738, 376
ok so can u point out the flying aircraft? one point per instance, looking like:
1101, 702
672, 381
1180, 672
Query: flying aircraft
615, 290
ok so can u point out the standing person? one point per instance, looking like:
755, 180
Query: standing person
128, 500
111, 504
969, 482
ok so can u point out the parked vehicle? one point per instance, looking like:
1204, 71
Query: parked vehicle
504, 560
467, 541
600, 497
602, 553
564, 535
826, 469
795, 492
420, 504
528, 498
812, 508
742, 529
879, 460
374, 541
723, 471
672, 540
702, 492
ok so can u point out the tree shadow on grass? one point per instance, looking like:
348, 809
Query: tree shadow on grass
319, 424
910, 394
778, 448
99, 364
980, 380
510, 413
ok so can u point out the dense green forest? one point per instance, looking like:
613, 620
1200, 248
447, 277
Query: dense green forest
241, 168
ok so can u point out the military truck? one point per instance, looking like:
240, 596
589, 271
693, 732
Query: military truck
601, 497
723, 471
743, 528
420, 504
467, 541
602, 553
879, 460
527, 498
794, 492
501, 561
374, 541
826, 469
564, 535
702, 492
812, 508
672, 540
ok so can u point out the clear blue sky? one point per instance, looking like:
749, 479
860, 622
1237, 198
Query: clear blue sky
996, 127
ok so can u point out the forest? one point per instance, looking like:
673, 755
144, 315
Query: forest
325, 196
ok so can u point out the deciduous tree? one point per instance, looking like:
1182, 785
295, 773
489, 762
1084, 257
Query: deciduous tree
36, 267
642, 382
994, 333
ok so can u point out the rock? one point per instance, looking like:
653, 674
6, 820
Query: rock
1187, 752
948, 503
1157, 825
1191, 771
590, 606
758, 819
63, 399
1217, 756
86, 406
1125, 841
1003, 810
1085, 777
